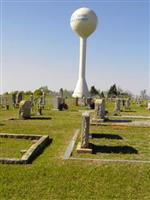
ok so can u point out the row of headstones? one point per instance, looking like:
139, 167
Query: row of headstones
101, 113
121, 104
25, 108
59, 103
139, 102
17, 98
24, 105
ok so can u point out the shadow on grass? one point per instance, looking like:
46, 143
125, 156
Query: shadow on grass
2, 124
113, 149
128, 111
119, 120
40, 118
106, 136
32, 118
40, 151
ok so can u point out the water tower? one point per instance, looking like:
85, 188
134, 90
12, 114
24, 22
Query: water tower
83, 22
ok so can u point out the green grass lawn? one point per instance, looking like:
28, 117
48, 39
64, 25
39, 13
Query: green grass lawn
117, 142
134, 109
50, 177
10, 147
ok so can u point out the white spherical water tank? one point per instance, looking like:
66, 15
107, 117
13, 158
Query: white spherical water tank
83, 22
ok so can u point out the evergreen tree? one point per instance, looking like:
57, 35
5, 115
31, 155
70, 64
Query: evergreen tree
93, 91
113, 91
102, 95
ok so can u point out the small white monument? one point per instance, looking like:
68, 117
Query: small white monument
148, 105
83, 22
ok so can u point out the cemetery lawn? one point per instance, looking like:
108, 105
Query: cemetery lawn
49, 177
119, 143
10, 147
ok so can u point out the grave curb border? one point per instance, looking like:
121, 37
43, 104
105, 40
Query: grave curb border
70, 147
33, 151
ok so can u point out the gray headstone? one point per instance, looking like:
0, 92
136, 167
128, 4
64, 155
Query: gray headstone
14, 100
117, 106
57, 101
127, 104
24, 109
100, 109
85, 130
82, 101
31, 99
19, 98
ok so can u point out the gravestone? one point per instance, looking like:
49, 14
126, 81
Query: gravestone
127, 104
31, 99
99, 110
14, 99
76, 101
90, 103
24, 109
85, 130
41, 104
148, 105
6, 103
117, 107
123, 104
19, 98
82, 101
59, 103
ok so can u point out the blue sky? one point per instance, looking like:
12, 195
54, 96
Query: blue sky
38, 47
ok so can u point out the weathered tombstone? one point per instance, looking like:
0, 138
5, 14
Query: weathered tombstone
43, 99
76, 101
59, 103
31, 99
99, 110
24, 109
85, 130
19, 98
14, 99
41, 103
123, 104
6, 103
127, 104
90, 103
117, 107
82, 101
84, 146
